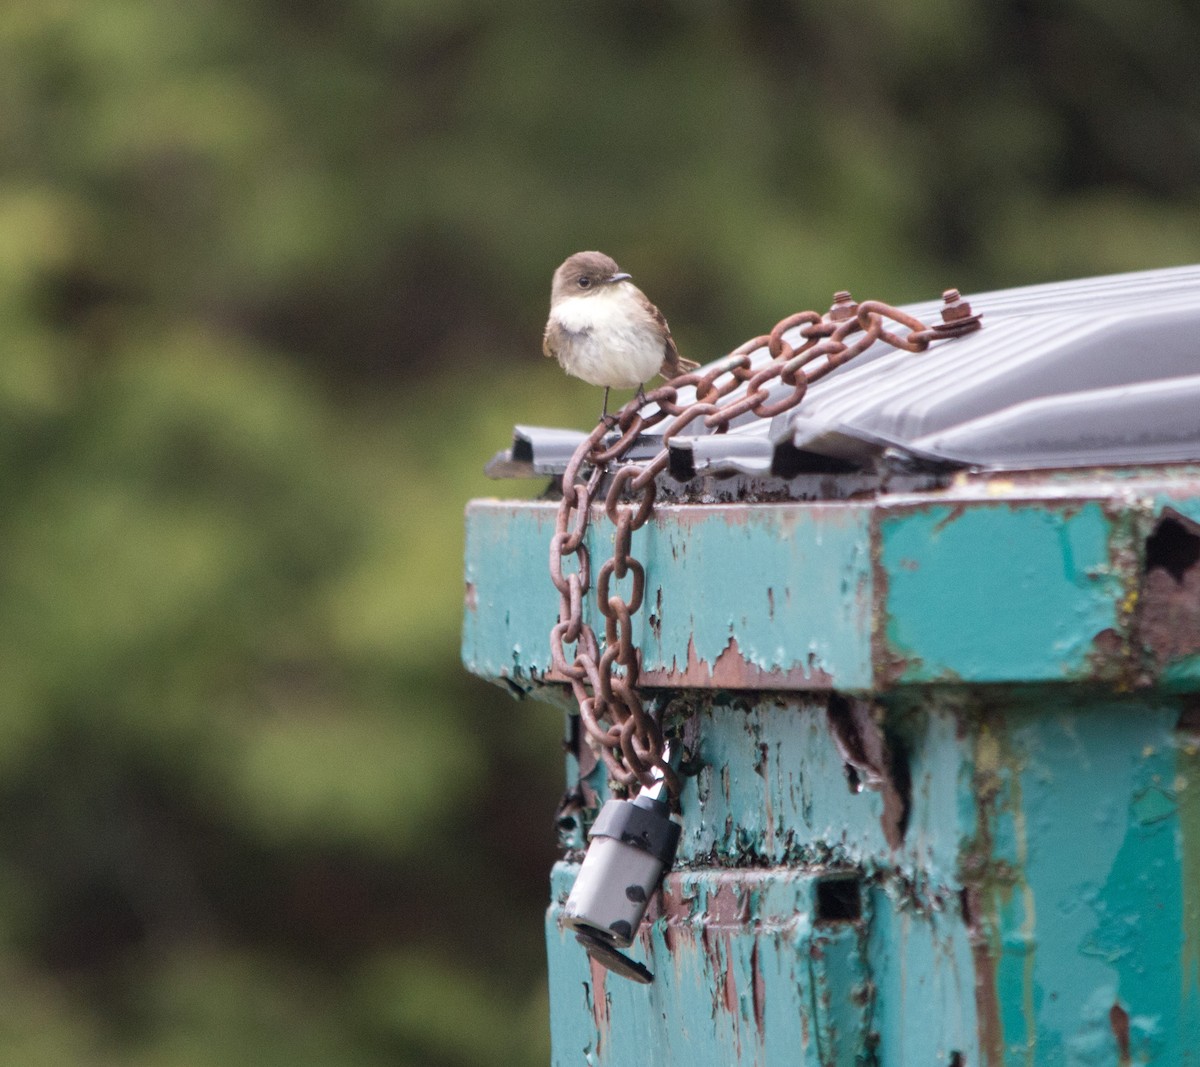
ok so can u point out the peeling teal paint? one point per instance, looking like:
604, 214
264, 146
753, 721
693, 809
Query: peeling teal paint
1091, 913
854, 597
759, 577
509, 596
1069, 816
773, 789
920, 962
727, 984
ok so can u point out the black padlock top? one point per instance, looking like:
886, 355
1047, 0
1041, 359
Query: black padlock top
643, 823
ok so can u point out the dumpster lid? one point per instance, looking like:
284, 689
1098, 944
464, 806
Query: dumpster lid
1096, 372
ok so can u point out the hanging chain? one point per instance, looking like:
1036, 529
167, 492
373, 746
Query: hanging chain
605, 684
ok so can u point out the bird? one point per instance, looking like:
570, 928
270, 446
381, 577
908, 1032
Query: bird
604, 330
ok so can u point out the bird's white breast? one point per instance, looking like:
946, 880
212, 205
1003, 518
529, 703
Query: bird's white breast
611, 338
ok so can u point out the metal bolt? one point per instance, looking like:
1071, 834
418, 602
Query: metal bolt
957, 317
955, 306
844, 307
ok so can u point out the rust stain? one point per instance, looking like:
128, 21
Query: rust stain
718, 950
599, 1002
953, 515
1115, 657
729, 986
1118, 1019
1107, 644
1112, 660
727, 911
1170, 614
987, 997
679, 938
887, 665
759, 987
678, 905
730, 670
471, 598
977, 915
729, 906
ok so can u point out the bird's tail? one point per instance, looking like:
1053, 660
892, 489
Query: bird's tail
673, 368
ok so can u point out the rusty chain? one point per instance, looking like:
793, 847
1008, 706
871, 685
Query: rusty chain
605, 683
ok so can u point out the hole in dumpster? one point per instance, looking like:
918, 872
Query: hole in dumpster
1173, 546
788, 461
681, 464
957, 1059
839, 900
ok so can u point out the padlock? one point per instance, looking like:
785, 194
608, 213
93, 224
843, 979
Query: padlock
630, 846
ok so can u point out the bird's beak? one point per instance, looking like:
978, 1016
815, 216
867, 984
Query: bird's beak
619, 278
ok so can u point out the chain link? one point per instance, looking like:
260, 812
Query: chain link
605, 684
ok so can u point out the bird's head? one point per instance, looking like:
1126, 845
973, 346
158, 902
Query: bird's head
585, 273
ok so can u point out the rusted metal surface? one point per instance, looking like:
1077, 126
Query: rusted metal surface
732, 670
1170, 594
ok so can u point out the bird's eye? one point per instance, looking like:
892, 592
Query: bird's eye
584, 282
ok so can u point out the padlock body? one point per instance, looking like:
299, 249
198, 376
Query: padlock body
631, 843
612, 890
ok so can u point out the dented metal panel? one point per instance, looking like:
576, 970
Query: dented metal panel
994, 592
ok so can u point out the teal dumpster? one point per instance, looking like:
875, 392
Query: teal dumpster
930, 642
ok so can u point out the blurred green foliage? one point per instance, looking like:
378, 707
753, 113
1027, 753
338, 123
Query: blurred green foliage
272, 279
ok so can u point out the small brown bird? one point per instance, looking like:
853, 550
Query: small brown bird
603, 329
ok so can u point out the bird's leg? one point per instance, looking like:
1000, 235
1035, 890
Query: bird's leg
641, 395
609, 420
